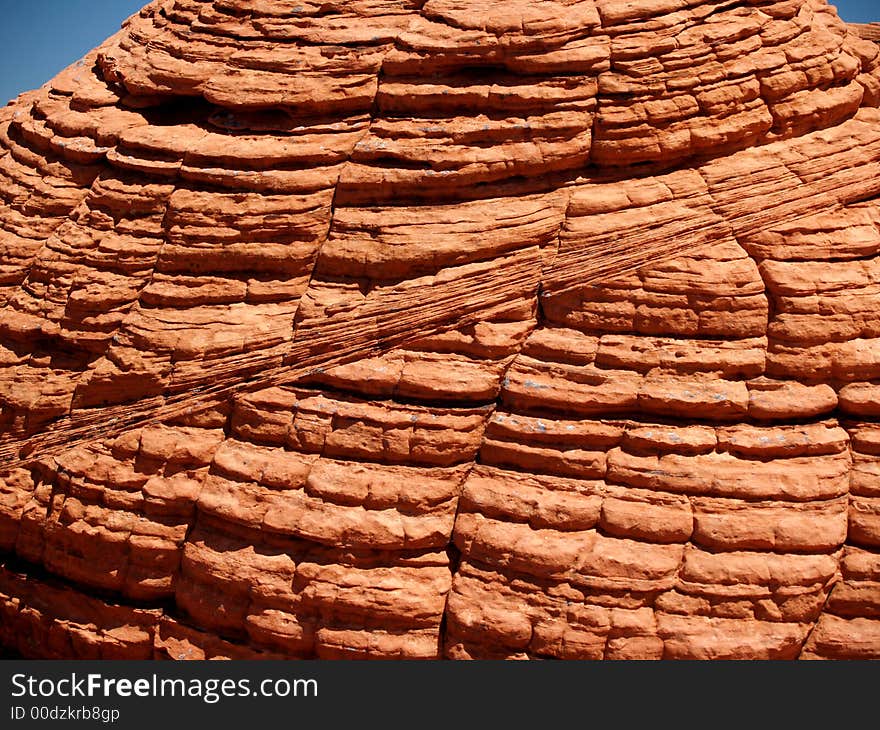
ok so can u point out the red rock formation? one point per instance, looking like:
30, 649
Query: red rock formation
419, 328
871, 31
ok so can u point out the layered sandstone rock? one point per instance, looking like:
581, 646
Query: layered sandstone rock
871, 31
440, 328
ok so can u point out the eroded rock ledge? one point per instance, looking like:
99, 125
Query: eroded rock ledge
445, 329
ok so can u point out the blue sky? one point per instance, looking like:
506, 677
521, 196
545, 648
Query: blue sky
38, 38
858, 11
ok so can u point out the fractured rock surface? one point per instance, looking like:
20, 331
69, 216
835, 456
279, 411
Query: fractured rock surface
444, 328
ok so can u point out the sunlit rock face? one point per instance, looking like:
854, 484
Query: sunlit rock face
445, 328
871, 31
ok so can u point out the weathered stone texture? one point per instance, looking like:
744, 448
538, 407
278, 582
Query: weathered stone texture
445, 328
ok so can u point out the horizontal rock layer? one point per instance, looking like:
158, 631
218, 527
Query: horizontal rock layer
870, 31
445, 329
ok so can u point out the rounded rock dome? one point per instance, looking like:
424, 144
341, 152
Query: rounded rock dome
445, 328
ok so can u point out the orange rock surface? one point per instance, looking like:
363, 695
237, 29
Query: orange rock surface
871, 31
445, 328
